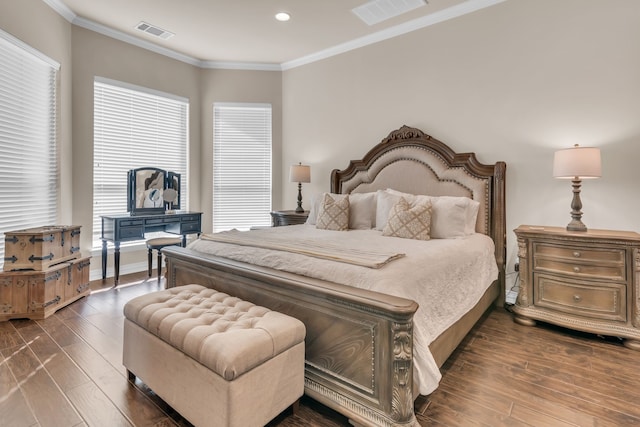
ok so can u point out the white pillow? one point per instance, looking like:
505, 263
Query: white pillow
362, 210
451, 216
456, 216
385, 200
316, 199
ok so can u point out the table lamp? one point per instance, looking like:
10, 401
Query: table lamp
576, 164
300, 173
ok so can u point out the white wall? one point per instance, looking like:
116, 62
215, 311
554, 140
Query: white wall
512, 82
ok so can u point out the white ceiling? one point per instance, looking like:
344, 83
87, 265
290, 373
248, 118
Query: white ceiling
245, 34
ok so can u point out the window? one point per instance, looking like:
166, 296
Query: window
241, 166
28, 152
134, 127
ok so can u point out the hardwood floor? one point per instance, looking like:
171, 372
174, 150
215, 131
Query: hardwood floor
67, 371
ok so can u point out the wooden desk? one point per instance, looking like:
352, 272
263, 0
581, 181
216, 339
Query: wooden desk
126, 228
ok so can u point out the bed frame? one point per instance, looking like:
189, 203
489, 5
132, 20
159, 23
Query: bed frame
359, 343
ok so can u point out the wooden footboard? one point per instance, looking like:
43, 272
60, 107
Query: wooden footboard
359, 344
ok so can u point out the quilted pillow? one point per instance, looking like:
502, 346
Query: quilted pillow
333, 214
409, 222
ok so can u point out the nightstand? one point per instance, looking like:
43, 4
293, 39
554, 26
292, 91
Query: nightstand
588, 281
288, 217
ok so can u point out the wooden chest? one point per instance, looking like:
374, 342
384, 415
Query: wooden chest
40, 248
38, 294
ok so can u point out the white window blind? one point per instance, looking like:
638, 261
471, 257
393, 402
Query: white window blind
134, 127
241, 166
28, 155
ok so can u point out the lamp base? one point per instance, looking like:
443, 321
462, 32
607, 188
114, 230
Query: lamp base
576, 204
576, 225
299, 209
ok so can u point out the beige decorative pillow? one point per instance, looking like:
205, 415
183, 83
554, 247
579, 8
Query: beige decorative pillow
333, 214
409, 222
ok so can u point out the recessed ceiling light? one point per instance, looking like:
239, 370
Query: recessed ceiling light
283, 16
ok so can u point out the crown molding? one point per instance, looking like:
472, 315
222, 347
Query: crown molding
443, 15
66, 13
119, 35
61, 8
413, 25
250, 66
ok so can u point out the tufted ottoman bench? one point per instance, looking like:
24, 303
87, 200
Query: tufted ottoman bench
216, 359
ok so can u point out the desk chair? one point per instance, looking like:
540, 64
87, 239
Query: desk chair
158, 244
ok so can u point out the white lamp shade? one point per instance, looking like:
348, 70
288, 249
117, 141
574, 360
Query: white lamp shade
300, 173
577, 162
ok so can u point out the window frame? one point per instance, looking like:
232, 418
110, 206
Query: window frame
142, 127
250, 125
28, 130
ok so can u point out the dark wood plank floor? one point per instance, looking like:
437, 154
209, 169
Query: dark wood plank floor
67, 371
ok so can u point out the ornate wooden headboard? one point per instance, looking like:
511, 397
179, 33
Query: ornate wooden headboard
411, 161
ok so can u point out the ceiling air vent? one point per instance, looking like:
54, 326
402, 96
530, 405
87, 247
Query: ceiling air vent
376, 11
154, 31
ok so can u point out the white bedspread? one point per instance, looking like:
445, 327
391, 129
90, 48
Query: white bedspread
446, 277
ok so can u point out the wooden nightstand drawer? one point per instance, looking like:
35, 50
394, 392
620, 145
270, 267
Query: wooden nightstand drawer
597, 263
610, 272
598, 301
602, 256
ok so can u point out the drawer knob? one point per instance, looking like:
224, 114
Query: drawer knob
576, 269
577, 298
576, 254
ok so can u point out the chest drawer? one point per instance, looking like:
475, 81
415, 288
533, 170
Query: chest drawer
588, 299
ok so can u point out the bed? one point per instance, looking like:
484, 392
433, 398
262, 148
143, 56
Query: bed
362, 357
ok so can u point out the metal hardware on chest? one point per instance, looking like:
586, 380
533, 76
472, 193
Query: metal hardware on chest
33, 258
34, 239
54, 276
53, 301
